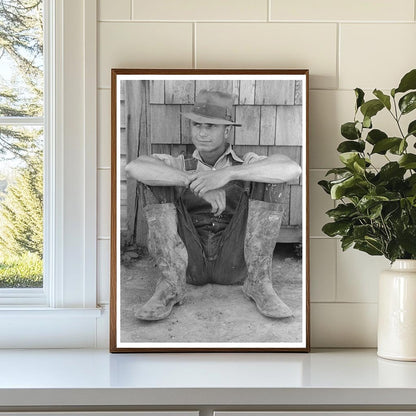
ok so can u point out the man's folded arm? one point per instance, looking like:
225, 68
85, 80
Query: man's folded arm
154, 172
272, 169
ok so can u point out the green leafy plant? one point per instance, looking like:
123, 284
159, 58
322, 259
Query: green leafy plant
376, 212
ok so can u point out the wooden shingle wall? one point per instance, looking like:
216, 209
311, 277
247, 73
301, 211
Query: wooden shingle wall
270, 113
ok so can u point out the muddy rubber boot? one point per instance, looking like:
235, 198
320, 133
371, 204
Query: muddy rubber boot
263, 226
171, 257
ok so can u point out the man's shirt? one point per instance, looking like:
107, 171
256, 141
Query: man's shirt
228, 158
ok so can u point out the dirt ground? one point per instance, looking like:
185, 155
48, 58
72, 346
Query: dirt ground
212, 313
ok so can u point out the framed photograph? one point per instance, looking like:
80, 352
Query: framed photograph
209, 211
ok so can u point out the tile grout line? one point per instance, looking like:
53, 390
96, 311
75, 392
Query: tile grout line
356, 302
338, 64
131, 10
308, 22
336, 272
194, 61
269, 10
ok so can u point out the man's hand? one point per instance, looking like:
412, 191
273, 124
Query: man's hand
209, 180
217, 200
190, 177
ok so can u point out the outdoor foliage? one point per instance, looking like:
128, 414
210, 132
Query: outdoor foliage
377, 206
21, 224
21, 271
21, 94
21, 148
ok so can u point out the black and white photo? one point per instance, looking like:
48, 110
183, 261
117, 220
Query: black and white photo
209, 211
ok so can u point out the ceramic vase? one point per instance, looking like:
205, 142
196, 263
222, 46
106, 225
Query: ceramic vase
397, 312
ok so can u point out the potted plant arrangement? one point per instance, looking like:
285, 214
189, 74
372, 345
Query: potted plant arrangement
376, 209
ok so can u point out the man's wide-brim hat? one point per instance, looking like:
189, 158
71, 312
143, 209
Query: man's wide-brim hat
212, 107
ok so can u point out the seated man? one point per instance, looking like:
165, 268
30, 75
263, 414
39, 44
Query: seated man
208, 228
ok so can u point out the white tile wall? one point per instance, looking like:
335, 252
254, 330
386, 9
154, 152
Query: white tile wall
328, 110
271, 45
323, 269
376, 55
345, 44
369, 10
201, 10
114, 10
339, 325
357, 275
142, 45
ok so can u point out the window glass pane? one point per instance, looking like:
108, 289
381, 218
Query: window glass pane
21, 207
21, 58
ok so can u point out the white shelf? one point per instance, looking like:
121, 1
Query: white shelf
56, 378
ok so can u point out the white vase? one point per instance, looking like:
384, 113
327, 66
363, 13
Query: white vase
397, 312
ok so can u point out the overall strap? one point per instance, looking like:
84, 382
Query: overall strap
190, 163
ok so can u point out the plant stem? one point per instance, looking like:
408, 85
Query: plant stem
396, 119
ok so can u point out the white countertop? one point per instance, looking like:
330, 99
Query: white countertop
96, 377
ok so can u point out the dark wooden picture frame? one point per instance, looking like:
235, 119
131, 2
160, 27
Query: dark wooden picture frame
149, 115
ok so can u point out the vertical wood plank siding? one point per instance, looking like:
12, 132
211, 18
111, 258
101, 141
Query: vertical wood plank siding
179, 92
249, 117
270, 114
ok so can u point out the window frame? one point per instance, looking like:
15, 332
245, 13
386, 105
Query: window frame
28, 317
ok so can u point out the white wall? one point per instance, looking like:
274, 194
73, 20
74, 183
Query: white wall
345, 44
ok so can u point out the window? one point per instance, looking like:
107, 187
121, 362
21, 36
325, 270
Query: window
21, 143
63, 312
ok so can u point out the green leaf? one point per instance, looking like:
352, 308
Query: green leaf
371, 108
367, 122
346, 242
359, 166
385, 99
398, 149
383, 145
338, 171
393, 92
375, 211
408, 82
342, 211
411, 182
349, 131
350, 146
336, 228
407, 240
411, 130
408, 161
325, 186
375, 135
341, 188
369, 201
391, 170
359, 94
368, 248
348, 158
408, 102
359, 232
393, 250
